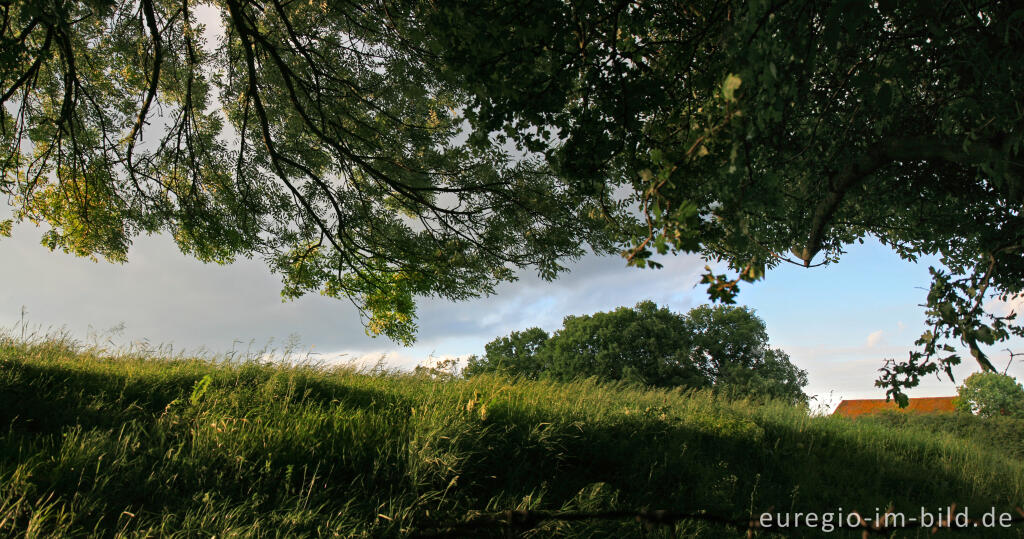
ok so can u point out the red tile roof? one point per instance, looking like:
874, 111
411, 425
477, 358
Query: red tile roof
928, 405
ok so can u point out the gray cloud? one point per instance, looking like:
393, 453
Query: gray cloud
162, 296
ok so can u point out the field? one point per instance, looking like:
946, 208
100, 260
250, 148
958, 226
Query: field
108, 445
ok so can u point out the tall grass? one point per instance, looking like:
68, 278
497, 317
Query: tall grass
132, 445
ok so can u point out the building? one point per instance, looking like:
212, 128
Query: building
927, 405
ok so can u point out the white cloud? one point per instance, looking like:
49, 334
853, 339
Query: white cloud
874, 338
1013, 304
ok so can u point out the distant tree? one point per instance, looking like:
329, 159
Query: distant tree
990, 394
515, 355
644, 344
439, 369
725, 338
773, 376
722, 347
732, 345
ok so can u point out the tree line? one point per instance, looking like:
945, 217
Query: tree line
723, 348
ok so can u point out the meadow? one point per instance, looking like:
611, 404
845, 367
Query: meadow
124, 444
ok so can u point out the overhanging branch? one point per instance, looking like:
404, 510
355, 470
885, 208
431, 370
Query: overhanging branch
913, 149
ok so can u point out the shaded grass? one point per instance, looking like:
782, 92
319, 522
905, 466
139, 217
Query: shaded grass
138, 446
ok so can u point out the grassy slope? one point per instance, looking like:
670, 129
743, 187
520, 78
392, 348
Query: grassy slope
137, 446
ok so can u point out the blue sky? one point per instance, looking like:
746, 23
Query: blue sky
838, 322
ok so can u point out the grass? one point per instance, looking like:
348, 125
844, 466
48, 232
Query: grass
132, 445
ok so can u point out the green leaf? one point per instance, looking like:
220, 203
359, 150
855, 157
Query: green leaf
729, 87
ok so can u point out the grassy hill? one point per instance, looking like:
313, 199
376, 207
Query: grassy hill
140, 446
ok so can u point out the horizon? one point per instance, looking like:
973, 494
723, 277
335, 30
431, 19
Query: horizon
161, 297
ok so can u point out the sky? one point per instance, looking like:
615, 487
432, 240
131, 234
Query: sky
839, 322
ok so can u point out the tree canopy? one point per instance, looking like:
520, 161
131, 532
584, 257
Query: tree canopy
765, 132
374, 150
313, 134
722, 347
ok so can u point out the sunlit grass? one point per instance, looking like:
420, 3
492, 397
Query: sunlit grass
130, 444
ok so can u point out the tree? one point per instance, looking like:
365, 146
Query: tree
644, 344
732, 343
515, 355
723, 347
763, 132
772, 377
725, 338
990, 394
313, 135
